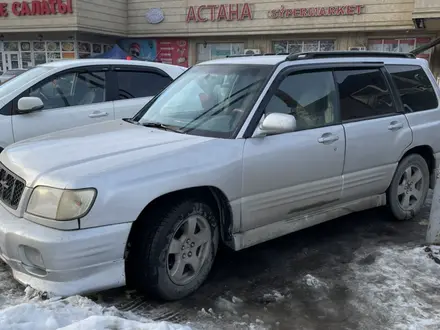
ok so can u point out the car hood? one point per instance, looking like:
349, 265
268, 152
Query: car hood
113, 141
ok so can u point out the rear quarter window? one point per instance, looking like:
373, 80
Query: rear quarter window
415, 88
134, 84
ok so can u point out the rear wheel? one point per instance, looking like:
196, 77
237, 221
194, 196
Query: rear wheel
172, 252
409, 187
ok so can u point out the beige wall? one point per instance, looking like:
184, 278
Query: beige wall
427, 9
123, 18
377, 15
98, 16
102, 16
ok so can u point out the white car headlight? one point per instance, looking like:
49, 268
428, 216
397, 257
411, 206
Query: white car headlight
60, 204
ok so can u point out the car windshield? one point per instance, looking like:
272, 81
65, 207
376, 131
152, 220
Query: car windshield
13, 84
208, 100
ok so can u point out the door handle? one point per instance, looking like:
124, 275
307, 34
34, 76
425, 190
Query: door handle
395, 125
98, 114
328, 138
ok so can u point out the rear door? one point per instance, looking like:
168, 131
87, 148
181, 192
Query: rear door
134, 86
417, 90
376, 130
74, 97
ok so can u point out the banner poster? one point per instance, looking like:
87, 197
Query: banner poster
165, 50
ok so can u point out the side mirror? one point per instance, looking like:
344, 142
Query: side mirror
276, 123
29, 104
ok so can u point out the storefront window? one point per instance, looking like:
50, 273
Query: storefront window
25, 54
11, 46
39, 46
84, 49
97, 48
68, 49
404, 45
39, 58
211, 51
25, 46
299, 46
51, 57
26, 60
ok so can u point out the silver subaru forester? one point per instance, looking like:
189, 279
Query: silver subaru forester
238, 150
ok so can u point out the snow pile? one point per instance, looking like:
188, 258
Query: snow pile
274, 296
111, 322
74, 313
314, 282
399, 286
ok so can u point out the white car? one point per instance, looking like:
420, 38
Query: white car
65, 94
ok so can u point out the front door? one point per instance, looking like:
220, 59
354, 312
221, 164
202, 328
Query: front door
12, 60
289, 173
72, 98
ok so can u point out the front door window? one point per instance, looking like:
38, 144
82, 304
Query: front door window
12, 60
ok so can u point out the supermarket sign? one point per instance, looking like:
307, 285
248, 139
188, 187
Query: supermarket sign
348, 10
36, 8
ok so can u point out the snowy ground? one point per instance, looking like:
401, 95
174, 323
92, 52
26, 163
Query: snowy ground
360, 272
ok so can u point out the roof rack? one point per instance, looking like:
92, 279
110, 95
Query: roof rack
247, 55
349, 53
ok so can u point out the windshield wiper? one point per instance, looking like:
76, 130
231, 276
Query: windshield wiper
162, 126
131, 121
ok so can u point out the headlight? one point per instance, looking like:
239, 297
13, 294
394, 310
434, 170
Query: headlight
60, 204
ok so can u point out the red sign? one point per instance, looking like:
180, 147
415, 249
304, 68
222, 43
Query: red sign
172, 51
37, 8
213, 13
316, 11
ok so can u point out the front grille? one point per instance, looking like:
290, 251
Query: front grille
11, 187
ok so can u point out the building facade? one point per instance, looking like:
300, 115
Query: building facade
186, 32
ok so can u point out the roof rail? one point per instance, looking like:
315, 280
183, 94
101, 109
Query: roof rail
265, 54
349, 53
243, 55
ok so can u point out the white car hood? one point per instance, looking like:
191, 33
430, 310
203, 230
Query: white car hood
117, 141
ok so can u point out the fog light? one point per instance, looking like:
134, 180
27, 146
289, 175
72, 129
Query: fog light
31, 257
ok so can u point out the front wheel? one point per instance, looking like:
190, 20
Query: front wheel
409, 187
172, 252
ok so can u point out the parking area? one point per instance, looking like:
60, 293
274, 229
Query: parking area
363, 271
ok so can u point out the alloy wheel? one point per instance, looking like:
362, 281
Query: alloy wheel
410, 188
189, 249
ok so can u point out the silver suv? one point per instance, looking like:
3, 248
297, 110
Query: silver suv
238, 150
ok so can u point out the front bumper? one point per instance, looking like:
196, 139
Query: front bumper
63, 263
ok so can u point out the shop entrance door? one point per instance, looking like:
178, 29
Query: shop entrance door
12, 60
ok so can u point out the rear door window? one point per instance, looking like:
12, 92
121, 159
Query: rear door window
415, 88
134, 84
363, 94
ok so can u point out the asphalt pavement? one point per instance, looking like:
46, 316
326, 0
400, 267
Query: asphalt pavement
342, 274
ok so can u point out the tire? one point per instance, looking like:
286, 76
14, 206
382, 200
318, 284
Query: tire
164, 263
409, 187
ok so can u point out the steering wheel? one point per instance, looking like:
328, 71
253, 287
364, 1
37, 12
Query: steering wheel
63, 97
